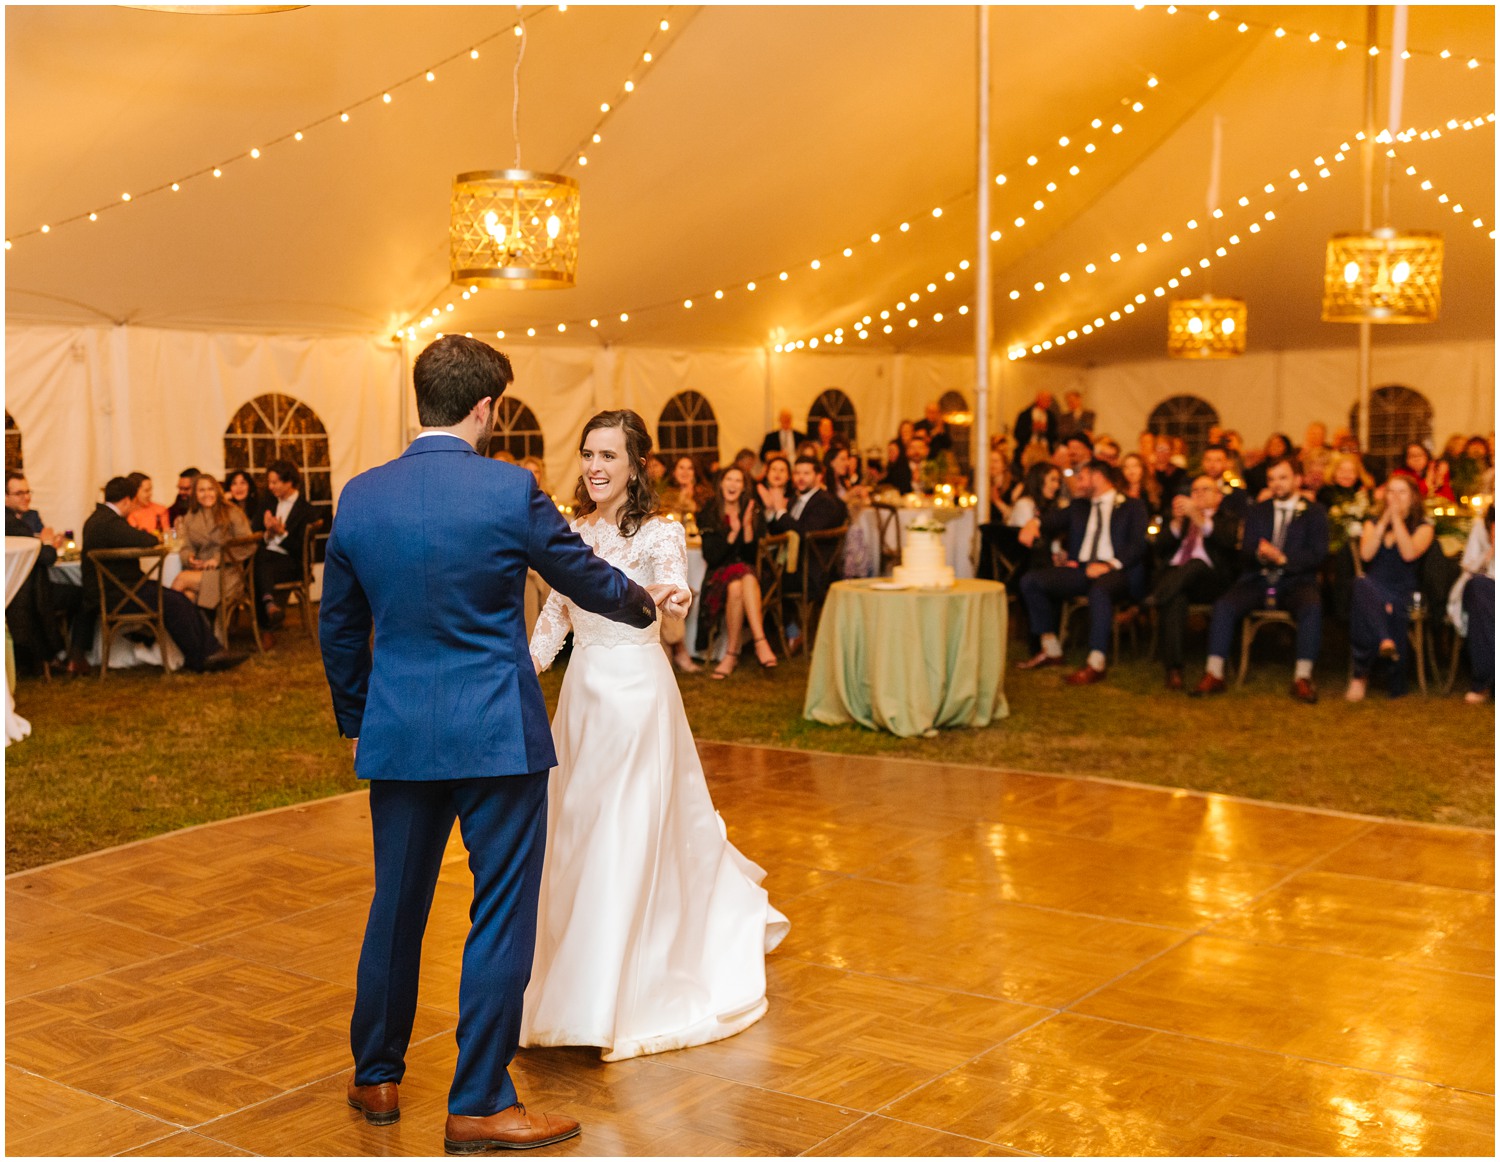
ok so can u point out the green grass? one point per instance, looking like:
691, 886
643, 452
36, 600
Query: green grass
137, 755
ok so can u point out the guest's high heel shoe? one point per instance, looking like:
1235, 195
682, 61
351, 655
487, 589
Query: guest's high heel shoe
731, 659
765, 665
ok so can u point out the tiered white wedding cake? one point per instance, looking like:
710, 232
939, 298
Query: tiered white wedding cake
924, 564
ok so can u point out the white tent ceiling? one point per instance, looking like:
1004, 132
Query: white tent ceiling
761, 138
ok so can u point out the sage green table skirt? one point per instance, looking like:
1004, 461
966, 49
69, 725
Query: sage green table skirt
910, 660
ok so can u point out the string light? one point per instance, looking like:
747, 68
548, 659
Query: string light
1442, 198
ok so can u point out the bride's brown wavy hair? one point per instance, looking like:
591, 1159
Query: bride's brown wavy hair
640, 497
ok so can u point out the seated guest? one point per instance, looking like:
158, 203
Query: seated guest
1199, 547
685, 495
732, 522
813, 509
1472, 471
656, 472
1282, 548
1316, 439
240, 491
1349, 500
538, 472
184, 499
932, 425
783, 438
774, 490
1215, 465
1344, 440
1080, 449
1075, 417
1170, 479
996, 534
502, 455
284, 515
147, 515
1146, 446
827, 436
1471, 606
1440, 481
32, 613
1037, 423
1390, 546
749, 463
913, 472
110, 528
842, 475
844, 479
1314, 474
208, 526
1106, 562
1004, 489
1418, 465
1107, 448
1140, 483
894, 453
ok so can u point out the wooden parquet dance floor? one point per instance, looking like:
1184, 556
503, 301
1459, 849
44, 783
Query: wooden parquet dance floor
980, 962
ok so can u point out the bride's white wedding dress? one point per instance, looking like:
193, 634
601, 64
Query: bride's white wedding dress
652, 929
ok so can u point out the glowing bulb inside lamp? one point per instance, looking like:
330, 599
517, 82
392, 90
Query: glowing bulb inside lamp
1401, 271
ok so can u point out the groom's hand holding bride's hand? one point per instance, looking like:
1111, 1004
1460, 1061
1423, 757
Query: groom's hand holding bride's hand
671, 600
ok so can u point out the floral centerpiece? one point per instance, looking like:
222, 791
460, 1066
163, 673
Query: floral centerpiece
1345, 517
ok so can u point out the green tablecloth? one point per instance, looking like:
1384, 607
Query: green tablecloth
910, 660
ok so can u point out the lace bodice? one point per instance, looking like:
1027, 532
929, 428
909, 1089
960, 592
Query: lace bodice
656, 555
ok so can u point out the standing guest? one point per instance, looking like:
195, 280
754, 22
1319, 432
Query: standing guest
1075, 417
732, 523
32, 613
1284, 544
1170, 479
209, 525
783, 438
1216, 465
1037, 424
1106, 562
1198, 547
686, 494
773, 490
184, 498
1277, 447
1391, 546
147, 515
240, 490
1141, 483
284, 517
110, 528
1471, 606
933, 426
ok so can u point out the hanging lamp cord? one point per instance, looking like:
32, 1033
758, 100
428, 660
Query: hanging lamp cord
515, 105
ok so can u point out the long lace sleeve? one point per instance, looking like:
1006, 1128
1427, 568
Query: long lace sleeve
667, 553
552, 628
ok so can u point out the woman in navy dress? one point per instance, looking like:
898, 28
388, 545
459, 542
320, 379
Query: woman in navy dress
1391, 547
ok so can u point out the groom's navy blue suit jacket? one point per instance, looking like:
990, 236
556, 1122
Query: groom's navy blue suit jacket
430, 552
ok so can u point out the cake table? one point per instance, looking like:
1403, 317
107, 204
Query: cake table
909, 660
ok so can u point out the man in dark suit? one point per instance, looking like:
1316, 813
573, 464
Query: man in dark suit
1075, 417
1106, 550
813, 509
1036, 423
1200, 553
429, 553
108, 528
284, 516
1171, 479
32, 613
783, 439
1284, 544
1215, 464
933, 426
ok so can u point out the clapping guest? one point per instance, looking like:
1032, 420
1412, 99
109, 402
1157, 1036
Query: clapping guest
1106, 562
1471, 606
1390, 546
284, 516
732, 523
685, 495
1417, 465
209, 525
240, 491
1198, 547
773, 490
147, 515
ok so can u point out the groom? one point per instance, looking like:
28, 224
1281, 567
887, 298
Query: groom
424, 644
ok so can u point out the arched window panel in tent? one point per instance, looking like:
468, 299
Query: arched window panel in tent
834, 405
1398, 416
278, 427
1187, 417
15, 460
688, 427
516, 430
960, 420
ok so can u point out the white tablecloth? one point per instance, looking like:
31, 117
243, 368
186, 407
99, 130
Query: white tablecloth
958, 541
124, 652
20, 557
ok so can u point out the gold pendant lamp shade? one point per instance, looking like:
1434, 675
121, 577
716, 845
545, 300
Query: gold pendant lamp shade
514, 228
1206, 328
1385, 276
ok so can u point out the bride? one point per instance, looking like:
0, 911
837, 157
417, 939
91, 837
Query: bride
652, 929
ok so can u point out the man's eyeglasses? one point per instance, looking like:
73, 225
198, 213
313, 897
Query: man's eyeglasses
19, 492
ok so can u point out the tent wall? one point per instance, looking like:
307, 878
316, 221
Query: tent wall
93, 402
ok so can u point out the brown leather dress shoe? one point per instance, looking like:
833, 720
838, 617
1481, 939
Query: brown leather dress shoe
510, 1129
1041, 661
381, 1104
1087, 676
1174, 679
1304, 691
1208, 684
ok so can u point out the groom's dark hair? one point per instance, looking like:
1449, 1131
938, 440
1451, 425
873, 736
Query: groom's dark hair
455, 373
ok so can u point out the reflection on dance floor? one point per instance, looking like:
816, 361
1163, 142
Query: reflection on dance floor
980, 962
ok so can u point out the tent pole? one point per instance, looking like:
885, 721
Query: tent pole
979, 448
403, 412
1372, 35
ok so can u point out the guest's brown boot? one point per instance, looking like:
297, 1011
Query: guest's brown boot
510, 1129
381, 1104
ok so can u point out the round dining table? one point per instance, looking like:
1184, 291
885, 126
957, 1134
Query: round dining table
907, 660
124, 653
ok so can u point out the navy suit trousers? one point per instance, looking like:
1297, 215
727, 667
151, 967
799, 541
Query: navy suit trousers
1043, 591
1479, 604
503, 821
1301, 600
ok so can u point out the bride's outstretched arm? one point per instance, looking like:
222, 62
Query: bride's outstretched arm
668, 554
552, 628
